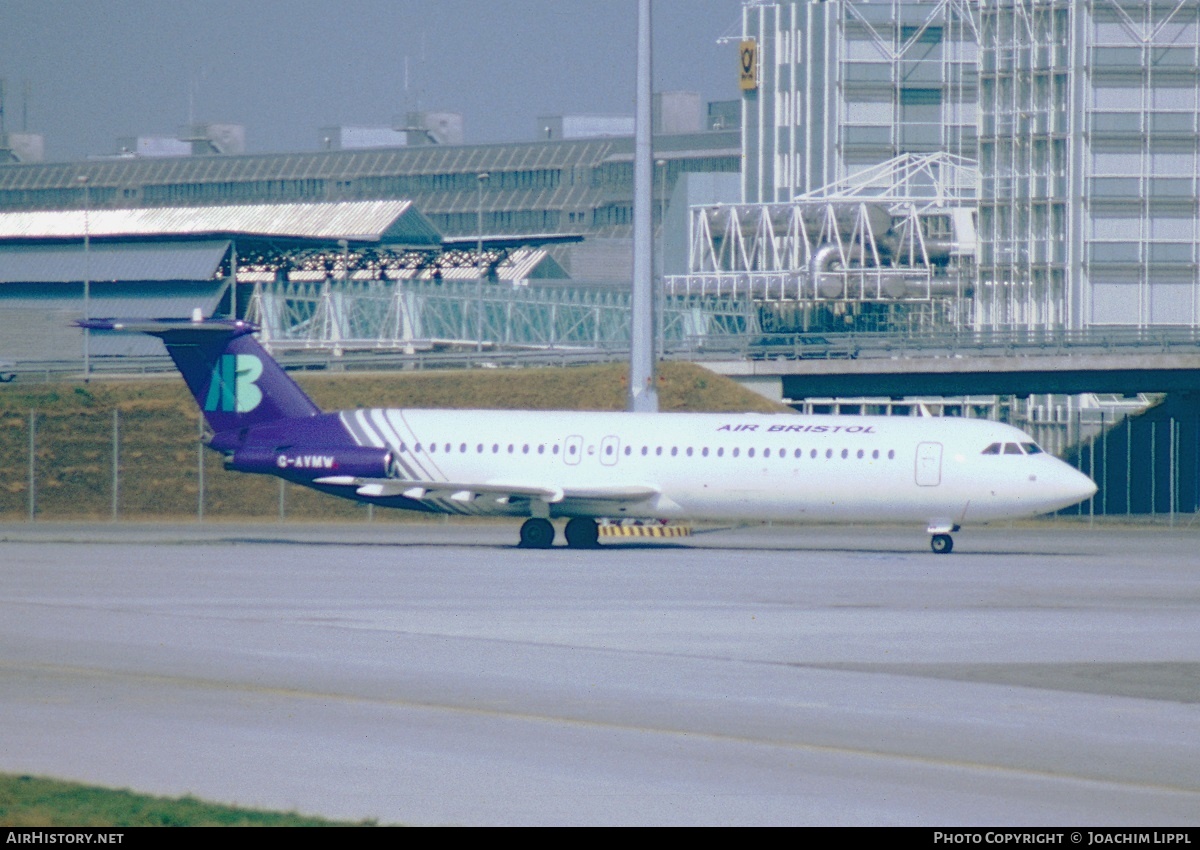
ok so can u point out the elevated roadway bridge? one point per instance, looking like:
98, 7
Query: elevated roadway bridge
800, 366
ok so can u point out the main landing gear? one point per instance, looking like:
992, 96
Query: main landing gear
537, 533
581, 533
942, 544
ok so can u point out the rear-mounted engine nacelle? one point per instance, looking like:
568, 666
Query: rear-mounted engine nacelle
315, 462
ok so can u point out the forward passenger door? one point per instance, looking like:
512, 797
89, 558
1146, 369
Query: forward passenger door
929, 464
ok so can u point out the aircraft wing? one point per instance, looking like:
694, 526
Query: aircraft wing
465, 491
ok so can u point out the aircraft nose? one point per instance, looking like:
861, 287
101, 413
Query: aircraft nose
1074, 486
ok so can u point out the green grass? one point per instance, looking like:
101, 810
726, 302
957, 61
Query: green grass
159, 427
29, 801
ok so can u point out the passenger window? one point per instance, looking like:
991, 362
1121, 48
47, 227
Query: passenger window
875, 455
462, 448
674, 451
689, 451
645, 450
813, 453
525, 449
766, 452
721, 452
704, 451
799, 453
495, 448
735, 452
1012, 449
1031, 448
658, 451
542, 449
891, 454
449, 448
417, 448
828, 453
750, 453
628, 451
432, 448
860, 453
993, 449
845, 453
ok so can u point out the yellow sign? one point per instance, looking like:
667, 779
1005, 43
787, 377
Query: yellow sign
748, 62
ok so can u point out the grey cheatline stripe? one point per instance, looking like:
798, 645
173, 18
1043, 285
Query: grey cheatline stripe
471, 508
350, 419
393, 422
359, 426
372, 428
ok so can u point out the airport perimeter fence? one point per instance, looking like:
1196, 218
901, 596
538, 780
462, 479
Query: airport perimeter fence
139, 465
1145, 465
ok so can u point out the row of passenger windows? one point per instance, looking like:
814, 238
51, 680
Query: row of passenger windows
657, 451
1012, 449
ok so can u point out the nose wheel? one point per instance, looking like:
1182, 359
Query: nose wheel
942, 544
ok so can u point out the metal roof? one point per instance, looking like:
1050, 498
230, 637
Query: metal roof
350, 164
68, 263
390, 222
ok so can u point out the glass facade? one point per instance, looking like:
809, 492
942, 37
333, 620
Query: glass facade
1084, 116
847, 85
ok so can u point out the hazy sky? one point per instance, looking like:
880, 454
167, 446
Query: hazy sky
97, 70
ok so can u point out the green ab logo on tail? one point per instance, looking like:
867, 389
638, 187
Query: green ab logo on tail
232, 389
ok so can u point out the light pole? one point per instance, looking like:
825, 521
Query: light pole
87, 278
661, 164
660, 288
482, 178
643, 394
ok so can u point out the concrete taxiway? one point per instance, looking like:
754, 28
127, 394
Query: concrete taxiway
421, 673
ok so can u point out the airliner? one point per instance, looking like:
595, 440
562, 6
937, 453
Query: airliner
588, 466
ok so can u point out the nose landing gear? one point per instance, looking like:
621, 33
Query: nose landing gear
942, 544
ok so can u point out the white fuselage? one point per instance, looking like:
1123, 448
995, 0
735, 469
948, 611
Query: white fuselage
734, 466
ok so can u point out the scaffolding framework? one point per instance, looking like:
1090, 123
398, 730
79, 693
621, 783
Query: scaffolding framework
893, 245
341, 314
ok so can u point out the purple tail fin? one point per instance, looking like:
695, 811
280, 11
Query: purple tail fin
235, 382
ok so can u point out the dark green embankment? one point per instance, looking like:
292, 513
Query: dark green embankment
158, 435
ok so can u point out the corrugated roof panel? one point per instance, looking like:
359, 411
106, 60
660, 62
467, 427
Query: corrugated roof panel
62, 264
366, 221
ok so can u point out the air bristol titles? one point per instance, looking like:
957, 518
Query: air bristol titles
940, 472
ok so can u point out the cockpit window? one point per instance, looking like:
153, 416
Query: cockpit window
1012, 449
1031, 448
993, 449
